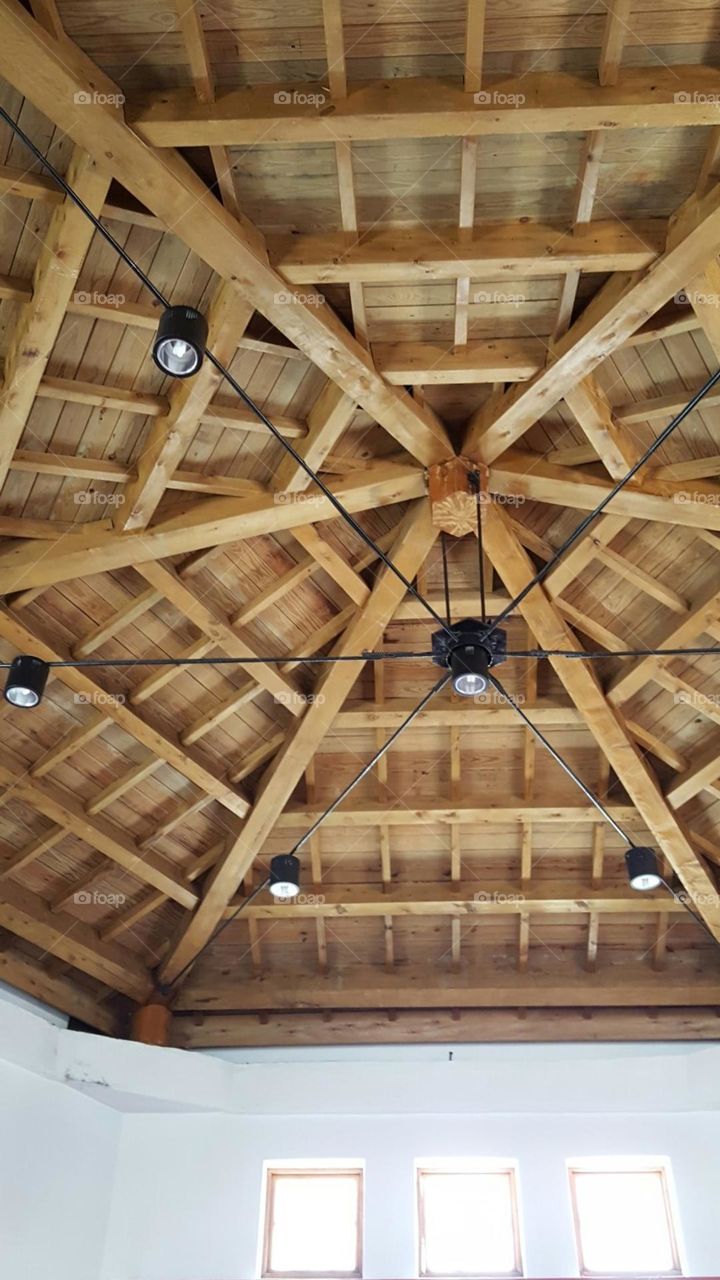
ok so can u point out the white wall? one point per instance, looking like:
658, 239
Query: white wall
122, 1162
57, 1165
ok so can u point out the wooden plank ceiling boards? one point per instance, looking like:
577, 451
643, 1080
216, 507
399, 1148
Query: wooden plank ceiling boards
506, 252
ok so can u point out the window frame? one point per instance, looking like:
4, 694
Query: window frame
604, 1168
272, 1174
460, 1168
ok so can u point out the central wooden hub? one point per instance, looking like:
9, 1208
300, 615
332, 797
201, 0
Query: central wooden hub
453, 499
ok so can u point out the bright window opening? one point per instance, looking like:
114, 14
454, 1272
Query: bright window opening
623, 1221
468, 1222
313, 1223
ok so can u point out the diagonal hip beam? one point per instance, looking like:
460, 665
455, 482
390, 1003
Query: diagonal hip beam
551, 632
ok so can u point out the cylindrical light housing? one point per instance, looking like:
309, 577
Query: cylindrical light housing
469, 664
284, 876
26, 681
179, 346
642, 868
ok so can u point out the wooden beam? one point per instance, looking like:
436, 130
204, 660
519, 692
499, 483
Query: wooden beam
425, 363
466, 1026
516, 570
620, 308
31, 341
445, 712
539, 102
329, 417
614, 37
465, 898
415, 255
52, 76
447, 813
61, 807
491, 985
62, 935
703, 611
413, 542
187, 763
210, 523
525, 476
612, 443
59, 992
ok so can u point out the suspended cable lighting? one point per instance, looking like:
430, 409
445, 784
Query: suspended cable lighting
469, 649
26, 680
284, 876
179, 345
642, 869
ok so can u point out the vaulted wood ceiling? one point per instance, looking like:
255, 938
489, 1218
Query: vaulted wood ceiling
416, 231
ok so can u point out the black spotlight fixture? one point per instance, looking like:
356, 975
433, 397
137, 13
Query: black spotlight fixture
26, 681
468, 649
179, 346
284, 876
642, 868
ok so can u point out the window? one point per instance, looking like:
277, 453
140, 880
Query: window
623, 1219
468, 1220
313, 1222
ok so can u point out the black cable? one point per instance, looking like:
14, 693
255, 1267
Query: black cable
166, 988
225, 373
474, 481
372, 761
584, 524
446, 581
369, 656
589, 795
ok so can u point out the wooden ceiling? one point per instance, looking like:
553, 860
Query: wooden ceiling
483, 228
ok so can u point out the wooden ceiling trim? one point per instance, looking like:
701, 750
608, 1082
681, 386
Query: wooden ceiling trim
38, 325
50, 77
409, 551
614, 37
552, 983
60, 992
549, 102
466, 1026
516, 570
612, 443
443, 810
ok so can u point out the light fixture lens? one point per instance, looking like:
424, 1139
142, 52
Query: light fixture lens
642, 868
180, 342
26, 681
285, 876
469, 665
